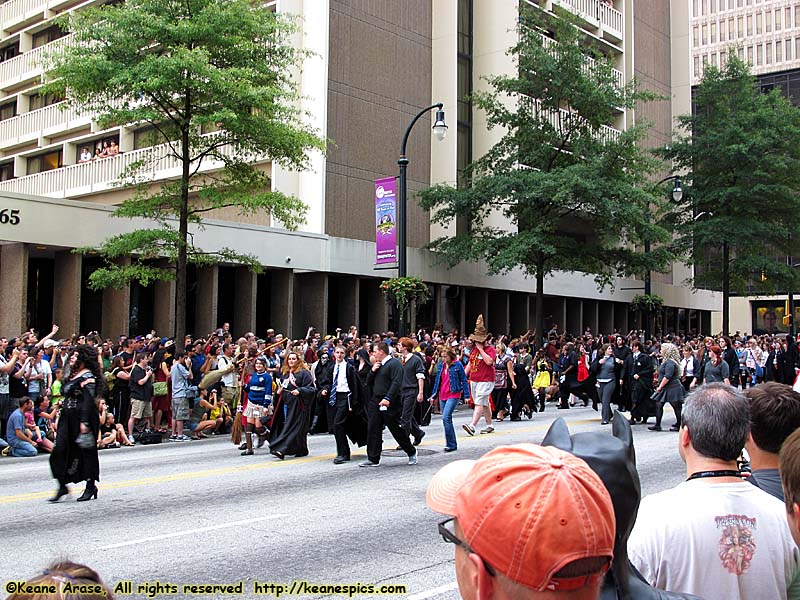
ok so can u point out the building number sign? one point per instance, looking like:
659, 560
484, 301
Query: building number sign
9, 217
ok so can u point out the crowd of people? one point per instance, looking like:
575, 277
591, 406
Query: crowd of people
578, 495
105, 149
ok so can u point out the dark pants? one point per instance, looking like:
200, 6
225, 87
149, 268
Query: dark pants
676, 406
340, 413
376, 419
407, 420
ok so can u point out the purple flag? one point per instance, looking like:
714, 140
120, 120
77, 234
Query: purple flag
385, 221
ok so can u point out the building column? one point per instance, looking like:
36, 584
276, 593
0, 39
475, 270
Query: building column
67, 285
206, 302
164, 307
498, 319
116, 310
246, 286
348, 292
311, 302
605, 317
282, 301
13, 289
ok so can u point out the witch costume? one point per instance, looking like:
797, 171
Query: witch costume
69, 461
290, 420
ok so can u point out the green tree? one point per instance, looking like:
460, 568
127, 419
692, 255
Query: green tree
741, 154
213, 78
560, 190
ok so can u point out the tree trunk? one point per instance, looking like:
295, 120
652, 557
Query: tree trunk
538, 311
726, 288
183, 231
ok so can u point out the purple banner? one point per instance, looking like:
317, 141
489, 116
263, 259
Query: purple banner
385, 221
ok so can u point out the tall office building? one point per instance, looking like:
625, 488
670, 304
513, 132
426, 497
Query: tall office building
375, 64
765, 34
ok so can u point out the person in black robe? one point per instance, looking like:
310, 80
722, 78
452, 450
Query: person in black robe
290, 420
74, 456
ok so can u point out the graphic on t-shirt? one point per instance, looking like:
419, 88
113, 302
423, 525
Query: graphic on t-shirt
737, 544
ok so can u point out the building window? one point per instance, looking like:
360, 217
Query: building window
750, 55
45, 162
778, 52
760, 55
8, 110
37, 101
787, 17
9, 52
51, 34
777, 19
749, 24
768, 53
146, 137
464, 91
768, 21
6, 171
788, 49
759, 25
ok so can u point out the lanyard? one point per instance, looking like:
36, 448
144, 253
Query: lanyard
705, 474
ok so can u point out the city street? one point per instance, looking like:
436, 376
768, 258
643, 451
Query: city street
199, 513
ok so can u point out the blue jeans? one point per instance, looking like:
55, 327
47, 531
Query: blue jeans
447, 420
20, 448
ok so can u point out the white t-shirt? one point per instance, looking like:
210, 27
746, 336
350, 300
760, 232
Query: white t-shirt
716, 540
223, 362
3, 376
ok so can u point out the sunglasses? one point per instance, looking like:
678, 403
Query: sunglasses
451, 538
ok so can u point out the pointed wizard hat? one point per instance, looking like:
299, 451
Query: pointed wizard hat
480, 334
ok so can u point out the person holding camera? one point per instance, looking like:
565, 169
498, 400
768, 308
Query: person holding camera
141, 387
181, 377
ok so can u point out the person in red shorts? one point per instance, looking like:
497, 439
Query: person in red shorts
480, 374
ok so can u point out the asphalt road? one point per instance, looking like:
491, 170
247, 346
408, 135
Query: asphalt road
199, 513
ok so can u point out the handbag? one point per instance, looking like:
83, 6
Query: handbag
500, 377
160, 388
657, 396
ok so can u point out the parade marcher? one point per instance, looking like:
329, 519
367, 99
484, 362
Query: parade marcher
731, 540
259, 399
669, 387
621, 354
528, 522
481, 375
522, 401
320, 413
74, 456
450, 385
731, 359
412, 390
568, 373
606, 378
290, 417
774, 415
690, 369
344, 398
716, 369
504, 382
384, 406
543, 379
640, 371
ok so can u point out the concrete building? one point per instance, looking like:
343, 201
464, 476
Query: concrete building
766, 34
375, 65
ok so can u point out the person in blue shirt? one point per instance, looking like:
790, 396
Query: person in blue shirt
17, 435
259, 398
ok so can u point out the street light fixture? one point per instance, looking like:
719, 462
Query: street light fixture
439, 130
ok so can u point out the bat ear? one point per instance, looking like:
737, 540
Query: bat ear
621, 429
558, 435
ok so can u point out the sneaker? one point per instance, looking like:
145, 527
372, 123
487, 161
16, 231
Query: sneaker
243, 446
173, 438
469, 429
6, 451
369, 463
447, 449
184, 438
412, 460
488, 429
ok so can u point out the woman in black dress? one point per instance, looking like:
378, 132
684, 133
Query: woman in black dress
290, 420
74, 457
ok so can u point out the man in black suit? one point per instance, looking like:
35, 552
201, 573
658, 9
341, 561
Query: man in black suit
343, 403
640, 369
385, 406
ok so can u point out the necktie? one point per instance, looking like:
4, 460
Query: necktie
332, 401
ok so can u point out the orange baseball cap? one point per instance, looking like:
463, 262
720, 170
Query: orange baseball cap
528, 511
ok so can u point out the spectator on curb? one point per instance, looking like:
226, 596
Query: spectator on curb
19, 439
180, 376
527, 522
141, 387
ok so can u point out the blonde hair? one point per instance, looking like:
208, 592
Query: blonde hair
299, 365
57, 576
670, 352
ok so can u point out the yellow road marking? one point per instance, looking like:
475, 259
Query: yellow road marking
268, 465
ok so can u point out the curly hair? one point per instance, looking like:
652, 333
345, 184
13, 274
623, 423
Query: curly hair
87, 358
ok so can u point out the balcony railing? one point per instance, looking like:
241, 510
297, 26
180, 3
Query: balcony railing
619, 76
560, 119
48, 122
103, 174
17, 11
596, 13
28, 65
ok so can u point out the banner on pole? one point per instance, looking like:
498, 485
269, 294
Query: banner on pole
385, 221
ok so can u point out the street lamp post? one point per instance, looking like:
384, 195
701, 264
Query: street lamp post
440, 130
677, 196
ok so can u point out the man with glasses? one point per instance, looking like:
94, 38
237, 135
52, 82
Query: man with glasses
527, 522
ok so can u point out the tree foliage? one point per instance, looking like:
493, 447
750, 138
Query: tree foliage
213, 79
740, 216
559, 190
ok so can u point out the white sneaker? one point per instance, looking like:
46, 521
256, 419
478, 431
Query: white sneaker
412, 460
488, 429
469, 429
